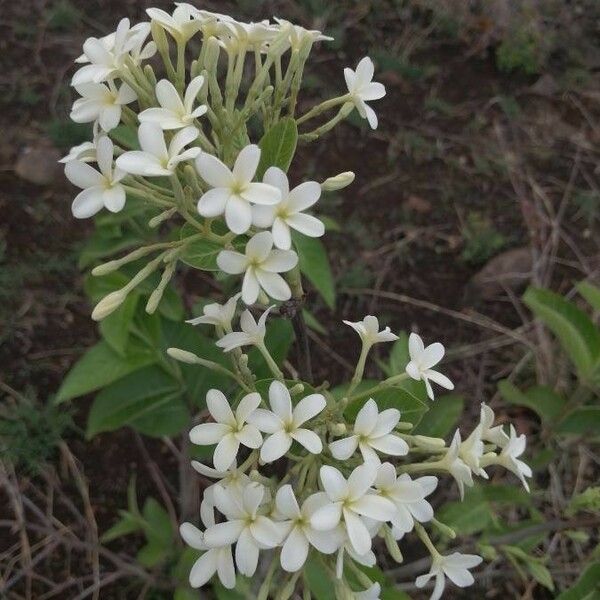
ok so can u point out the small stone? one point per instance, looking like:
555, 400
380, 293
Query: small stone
39, 164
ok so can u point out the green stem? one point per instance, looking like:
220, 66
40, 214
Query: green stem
320, 108
270, 362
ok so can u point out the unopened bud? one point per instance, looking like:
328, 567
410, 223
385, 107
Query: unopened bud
182, 355
445, 529
429, 442
339, 182
108, 304
392, 545
159, 37
297, 389
150, 75
243, 360
212, 54
338, 428
162, 217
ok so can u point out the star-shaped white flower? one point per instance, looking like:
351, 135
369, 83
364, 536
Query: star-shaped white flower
261, 265
234, 35
155, 159
408, 496
298, 36
252, 332
372, 433
509, 457
284, 423
233, 190
471, 452
368, 330
246, 528
287, 214
489, 432
214, 560
229, 430
351, 499
453, 463
422, 360
302, 534
102, 103
175, 113
219, 315
363, 89
181, 24
105, 56
455, 566
101, 189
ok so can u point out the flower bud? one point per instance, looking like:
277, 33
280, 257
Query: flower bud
159, 37
424, 441
161, 218
182, 355
338, 428
392, 545
108, 304
339, 182
297, 389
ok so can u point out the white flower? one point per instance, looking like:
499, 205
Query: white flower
367, 559
456, 466
229, 430
455, 566
101, 102
408, 496
181, 25
252, 334
284, 423
234, 34
261, 265
85, 152
371, 594
489, 433
368, 330
302, 533
244, 526
363, 89
214, 560
338, 182
219, 315
175, 113
471, 452
298, 36
287, 214
137, 36
508, 458
233, 190
421, 361
352, 499
100, 189
106, 55
372, 431
154, 159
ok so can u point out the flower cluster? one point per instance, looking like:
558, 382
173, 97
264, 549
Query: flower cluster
299, 469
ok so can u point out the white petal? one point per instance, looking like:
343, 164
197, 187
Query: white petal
281, 234
141, 163
248, 404
303, 196
192, 536
294, 551
274, 285
168, 97
286, 502
390, 444
261, 193
280, 261
265, 420
431, 356
357, 532
88, 202
333, 482
440, 379
225, 568
82, 175
208, 433
266, 532
212, 203
309, 407
114, 198
231, 262
250, 287
226, 452
249, 436
180, 140
275, 446
306, 224
109, 118
204, 568
162, 117
366, 419
246, 163
386, 421
361, 479
277, 178
364, 71
263, 216
343, 449
213, 171
223, 534
246, 554
192, 91
238, 214
415, 346
372, 91
218, 407
152, 140
309, 439
327, 517
375, 507
280, 401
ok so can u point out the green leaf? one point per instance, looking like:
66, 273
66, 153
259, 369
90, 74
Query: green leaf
125, 136
104, 242
541, 399
590, 292
202, 254
442, 416
587, 586
399, 356
148, 400
314, 264
578, 335
319, 579
279, 338
158, 524
152, 554
124, 526
581, 420
99, 367
469, 516
541, 574
116, 327
278, 146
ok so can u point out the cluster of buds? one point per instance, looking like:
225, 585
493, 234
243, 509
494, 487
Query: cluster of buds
298, 471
